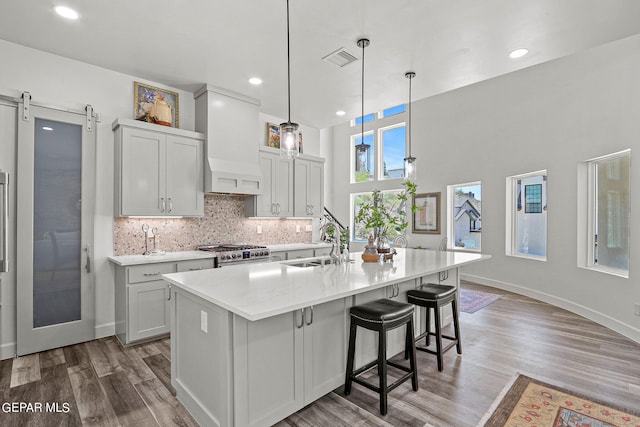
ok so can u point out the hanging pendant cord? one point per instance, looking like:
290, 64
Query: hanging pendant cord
410, 78
362, 110
288, 67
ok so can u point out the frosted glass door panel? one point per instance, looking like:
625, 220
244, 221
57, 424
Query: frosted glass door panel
57, 223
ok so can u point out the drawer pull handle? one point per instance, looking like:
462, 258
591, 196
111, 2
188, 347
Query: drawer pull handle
198, 268
151, 274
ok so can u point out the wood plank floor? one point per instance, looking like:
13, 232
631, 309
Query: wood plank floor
104, 384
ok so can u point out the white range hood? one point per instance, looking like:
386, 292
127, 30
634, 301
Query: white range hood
230, 122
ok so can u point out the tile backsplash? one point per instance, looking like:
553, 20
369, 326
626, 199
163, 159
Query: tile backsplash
223, 222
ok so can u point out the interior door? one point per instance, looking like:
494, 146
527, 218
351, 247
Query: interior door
55, 202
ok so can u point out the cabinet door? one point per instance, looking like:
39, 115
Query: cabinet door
148, 309
315, 192
300, 253
184, 195
325, 329
300, 187
265, 202
268, 368
143, 160
283, 187
194, 264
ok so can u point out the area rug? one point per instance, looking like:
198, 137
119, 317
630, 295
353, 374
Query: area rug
529, 402
472, 301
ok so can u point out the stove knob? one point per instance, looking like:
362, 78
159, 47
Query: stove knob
234, 256
225, 257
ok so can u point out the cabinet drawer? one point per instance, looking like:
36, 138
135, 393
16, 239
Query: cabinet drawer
195, 264
301, 253
149, 272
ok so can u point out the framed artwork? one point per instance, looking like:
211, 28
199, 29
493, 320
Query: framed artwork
154, 105
426, 220
273, 135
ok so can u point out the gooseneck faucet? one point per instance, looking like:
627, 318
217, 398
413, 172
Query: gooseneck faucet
335, 245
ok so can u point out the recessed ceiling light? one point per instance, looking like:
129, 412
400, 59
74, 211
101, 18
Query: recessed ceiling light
518, 53
255, 81
340, 113
47, 128
66, 12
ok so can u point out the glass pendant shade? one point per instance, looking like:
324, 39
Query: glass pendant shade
410, 169
289, 140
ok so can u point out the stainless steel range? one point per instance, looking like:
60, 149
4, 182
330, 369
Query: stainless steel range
236, 254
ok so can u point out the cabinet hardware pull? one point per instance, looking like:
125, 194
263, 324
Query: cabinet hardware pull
278, 210
151, 274
301, 318
169, 287
88, 264
4, 233
192, 269
311, 320
163, 205
170, 205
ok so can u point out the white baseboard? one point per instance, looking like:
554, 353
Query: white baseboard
7, 351
105, 330
628, 331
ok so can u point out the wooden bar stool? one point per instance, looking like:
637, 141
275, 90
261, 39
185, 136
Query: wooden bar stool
433, 296
381, 316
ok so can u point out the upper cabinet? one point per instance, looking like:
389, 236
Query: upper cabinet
277, 197
308, 187
291, 188
158, 170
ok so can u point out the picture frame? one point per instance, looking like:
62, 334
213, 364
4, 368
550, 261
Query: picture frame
426, 220
144, 97
273, 135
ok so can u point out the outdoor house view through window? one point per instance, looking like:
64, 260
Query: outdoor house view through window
466, 222
527, 224
390, 200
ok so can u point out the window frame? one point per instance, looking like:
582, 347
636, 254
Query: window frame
511, 222
379, 176
353, 212
587, 221
451, 229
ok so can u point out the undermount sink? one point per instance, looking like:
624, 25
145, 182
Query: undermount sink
309, 263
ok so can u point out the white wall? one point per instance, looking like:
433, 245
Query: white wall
551, 116
54, 80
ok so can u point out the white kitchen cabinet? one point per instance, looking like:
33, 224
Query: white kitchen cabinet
142, 298
308, 187
299, 253
281, 362
158, 170
277, 197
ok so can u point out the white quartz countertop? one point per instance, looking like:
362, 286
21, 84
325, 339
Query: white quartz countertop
297, 246
125, 260
259, 290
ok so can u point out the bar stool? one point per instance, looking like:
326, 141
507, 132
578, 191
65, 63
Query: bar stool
433, 296
381, 316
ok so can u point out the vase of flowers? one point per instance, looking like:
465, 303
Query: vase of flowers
386, 218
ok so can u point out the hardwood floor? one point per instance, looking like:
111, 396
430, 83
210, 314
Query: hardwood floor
104, 384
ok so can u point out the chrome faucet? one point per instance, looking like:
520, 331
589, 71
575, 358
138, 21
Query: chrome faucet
335, 245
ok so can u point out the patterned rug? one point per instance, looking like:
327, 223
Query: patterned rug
529, 402
472, 301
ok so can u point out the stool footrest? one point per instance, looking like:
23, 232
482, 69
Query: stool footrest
390, 387
364, 368
445, 348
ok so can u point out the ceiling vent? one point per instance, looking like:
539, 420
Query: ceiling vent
340, 57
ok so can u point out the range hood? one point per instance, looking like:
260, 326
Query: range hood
230, 122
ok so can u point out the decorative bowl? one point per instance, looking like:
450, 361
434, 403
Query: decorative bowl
369, 257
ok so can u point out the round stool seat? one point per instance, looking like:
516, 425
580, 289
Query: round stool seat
430, 292
382, 310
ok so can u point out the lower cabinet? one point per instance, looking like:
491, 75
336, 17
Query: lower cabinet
142, 298
282, 364
299, 253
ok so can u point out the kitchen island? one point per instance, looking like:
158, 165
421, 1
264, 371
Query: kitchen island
252, 344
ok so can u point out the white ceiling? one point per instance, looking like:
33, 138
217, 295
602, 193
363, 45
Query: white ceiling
449, 44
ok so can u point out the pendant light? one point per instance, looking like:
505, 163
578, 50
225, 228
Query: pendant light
362, 149
289, 134
410, 166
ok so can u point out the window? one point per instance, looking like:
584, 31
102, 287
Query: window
391, 201
526, 222
465, 216
363, 119
608, 207
393, 142
394, 110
